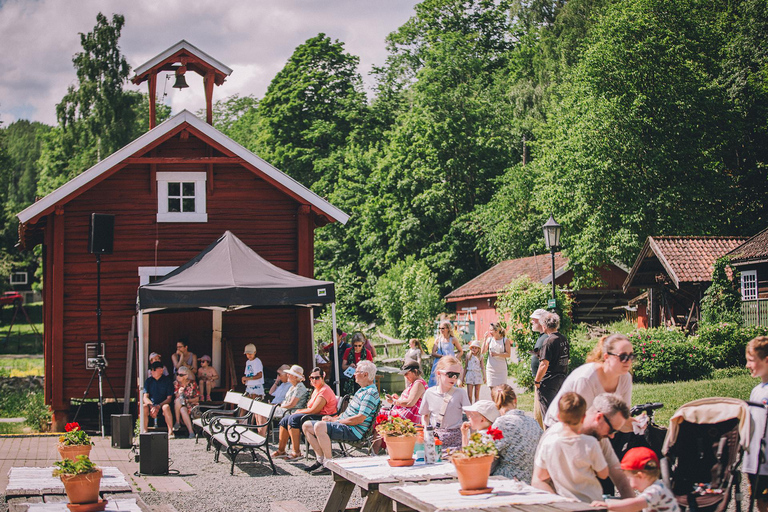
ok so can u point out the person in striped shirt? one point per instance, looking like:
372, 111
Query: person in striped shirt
350, 425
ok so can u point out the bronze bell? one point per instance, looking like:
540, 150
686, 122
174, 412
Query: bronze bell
181, 82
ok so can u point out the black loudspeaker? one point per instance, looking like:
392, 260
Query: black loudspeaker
101, 233
122, 431
153, 453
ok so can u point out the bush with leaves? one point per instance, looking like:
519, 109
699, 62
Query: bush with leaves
727, 342
722, 300
667, 356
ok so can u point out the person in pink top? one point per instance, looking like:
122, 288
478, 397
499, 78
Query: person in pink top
321, 403
407, 404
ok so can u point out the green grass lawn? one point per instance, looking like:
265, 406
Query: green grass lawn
21, 366
22, 339
732, 383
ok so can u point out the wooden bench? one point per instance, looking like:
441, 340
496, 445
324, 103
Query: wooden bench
215, 420
239, 436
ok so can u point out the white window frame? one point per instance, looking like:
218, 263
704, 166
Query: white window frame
747, 292
199, 179
19, 283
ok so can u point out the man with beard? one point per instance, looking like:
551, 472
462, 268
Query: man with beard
607, 410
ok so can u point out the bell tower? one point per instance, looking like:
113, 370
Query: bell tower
180, 58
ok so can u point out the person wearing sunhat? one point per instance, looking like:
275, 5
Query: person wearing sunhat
254, 373
474, 372
281, 386
295, 398
641, 464
206, 377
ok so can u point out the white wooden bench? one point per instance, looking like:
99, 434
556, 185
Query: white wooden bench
217, 420
239, 436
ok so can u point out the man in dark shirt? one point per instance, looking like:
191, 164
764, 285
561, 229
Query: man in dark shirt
553, 362
158, 395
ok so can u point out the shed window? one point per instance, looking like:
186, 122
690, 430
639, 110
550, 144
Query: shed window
181, 197
749, 285
19, 278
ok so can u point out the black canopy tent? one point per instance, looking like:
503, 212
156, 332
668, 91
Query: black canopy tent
230, 275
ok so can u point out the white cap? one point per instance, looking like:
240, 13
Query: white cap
486, 408
250, 349
539, 314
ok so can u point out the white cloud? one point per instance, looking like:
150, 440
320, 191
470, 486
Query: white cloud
255, 39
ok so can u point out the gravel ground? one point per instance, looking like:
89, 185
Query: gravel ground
253, 486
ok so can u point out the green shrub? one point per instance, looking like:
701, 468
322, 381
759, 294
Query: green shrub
522, 296
37, 414
664, 356
580, 349
727, 342
722, 300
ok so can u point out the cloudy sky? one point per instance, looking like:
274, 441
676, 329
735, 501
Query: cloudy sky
253, 37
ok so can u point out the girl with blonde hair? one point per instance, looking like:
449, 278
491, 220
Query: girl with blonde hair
441, 405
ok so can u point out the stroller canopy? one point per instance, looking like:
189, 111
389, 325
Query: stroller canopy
710, 410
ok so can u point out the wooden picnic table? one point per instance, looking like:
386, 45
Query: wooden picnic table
113, 505
26, 481
368, 473
507, 496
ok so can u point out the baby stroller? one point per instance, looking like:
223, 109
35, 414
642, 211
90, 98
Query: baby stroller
703, 450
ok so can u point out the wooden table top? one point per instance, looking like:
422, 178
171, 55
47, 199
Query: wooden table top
507, 496
25, 481
113, 506
370, 471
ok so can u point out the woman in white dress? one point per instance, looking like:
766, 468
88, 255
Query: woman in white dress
498, 348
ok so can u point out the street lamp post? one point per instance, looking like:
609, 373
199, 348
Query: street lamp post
552, 241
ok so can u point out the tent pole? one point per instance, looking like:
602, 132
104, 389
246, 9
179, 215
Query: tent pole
335, 349
313, 352
142, 366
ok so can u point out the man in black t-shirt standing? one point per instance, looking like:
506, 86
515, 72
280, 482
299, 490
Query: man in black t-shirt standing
553, 355
157, 397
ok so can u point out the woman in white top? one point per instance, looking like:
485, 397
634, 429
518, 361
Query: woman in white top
606, 371
446, 344
441, 406
498, 348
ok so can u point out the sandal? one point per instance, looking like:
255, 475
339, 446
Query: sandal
279, 455
293, 456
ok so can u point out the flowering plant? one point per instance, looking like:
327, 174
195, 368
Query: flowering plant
480, 444
395, 426
74, 436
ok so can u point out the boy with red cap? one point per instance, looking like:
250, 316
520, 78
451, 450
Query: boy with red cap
642, 467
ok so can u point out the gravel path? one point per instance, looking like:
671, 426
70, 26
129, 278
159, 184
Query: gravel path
253, 486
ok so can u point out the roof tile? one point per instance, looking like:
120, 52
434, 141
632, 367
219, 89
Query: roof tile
692, 258
756, 248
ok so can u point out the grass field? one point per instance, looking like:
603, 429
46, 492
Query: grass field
22, 339
21, 366
731, 383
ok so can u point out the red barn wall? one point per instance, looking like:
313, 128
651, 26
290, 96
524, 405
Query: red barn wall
262, 216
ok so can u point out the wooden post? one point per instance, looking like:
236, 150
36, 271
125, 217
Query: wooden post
305, 257
58, 403
209, 82
152, 84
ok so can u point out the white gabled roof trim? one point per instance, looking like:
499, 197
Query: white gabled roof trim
159, 131
194, 50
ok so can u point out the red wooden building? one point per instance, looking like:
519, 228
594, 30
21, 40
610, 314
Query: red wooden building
477, 298
173, 192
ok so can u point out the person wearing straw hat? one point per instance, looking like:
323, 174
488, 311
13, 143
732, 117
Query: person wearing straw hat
206, 377
474, 373
295, 398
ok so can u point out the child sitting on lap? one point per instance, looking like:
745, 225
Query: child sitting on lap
573, 461
642, 467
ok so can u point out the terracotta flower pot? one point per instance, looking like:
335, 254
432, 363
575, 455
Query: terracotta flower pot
72, 451
473, 472
83, 488
400, 449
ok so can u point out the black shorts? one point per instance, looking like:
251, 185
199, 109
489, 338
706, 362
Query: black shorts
759, 491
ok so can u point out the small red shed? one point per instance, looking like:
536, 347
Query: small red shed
172, 191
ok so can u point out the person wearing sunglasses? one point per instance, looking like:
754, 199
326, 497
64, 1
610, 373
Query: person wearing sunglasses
446, 344
322, 402
442, 404
606, 371
607, 412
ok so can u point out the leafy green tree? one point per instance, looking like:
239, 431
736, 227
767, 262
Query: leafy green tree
408, 299
96, 117
722, 300
309, 109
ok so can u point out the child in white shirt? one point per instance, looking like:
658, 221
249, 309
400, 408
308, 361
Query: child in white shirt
573, 461
757, 363
254, 373
642, 467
